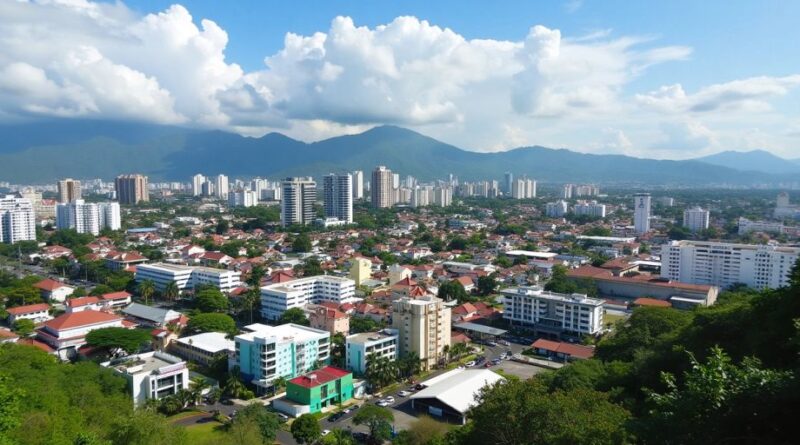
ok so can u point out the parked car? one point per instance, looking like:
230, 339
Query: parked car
470, 364
326, 432
383, 403
504, 342
403, 393
389, 399
335, 417
282, 417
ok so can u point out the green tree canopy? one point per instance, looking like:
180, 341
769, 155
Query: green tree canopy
212, 322
305, 429
294, 315
211, 300
129, 340
453, 290
301, 243
378, 420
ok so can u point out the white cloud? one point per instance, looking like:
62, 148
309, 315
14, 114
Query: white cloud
77, 58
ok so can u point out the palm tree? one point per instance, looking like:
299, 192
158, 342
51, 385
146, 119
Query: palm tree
146, 290
185, 397
339, 436
197, 386
409, 365
250, 300
171, 291
380, 371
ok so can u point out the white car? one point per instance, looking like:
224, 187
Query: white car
383, 403
469, 364
389, 399
326, 432
404, 393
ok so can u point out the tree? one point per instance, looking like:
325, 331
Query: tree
10, 398
101, 289
146, 290
256, 274
487, 284
422, 431
646, 327
212, 323
251, 300
378, 420
338, 436
211, 300
267, 423
24, 327
409, 364
453, 290
110, 339
222, 227
197, 386
363, 324
524, 412
21, 295
338, 350
305, 429
380, 371
146, 428
171, 291
312, 267
301, 243
294, 315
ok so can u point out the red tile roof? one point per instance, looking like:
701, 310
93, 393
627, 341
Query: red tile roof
577, 351
644, 301
121, 295
82, 318
319, 377
20, 310
82, 301
49, 285
465, 281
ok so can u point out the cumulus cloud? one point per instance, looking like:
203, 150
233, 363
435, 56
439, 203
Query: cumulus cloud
750, 94
686, 135
78, 58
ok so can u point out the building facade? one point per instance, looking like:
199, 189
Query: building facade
17, 220
88, 217
552, 313
725, 264
243, 198
279, 297
641, 213
132, 189
153, 375
187, 277
556, 209
338, 197
423, 326
323, 388
298, 198
695, 219
381, 189
358, 184
266, 353
69, 190
360, 348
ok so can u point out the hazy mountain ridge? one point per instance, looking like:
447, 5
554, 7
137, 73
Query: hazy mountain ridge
755, 160
43, 152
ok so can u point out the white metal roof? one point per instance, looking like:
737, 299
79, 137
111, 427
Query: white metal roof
458, 388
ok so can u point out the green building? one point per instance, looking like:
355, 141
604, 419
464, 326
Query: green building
321, 388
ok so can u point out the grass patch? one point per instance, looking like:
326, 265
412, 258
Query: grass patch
205, 433
183, 415
612, 319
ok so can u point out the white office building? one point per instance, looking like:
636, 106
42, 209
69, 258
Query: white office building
590, 208
556, 209
17, 220
442, 196
695, 219
187, 277
523, 188
747, 226
641, 213
725, 264
298, 198
197, 184
153, 375
88, 217
243, 198
221, 187
338, 197
265, 353
277, 298
550, 312
361, 348
358, 184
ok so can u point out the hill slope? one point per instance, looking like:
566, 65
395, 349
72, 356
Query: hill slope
43, 152
756, 160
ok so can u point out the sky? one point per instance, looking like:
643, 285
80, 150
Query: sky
672, 80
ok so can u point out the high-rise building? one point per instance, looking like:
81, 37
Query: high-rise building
423, 325
567, 193
592, 208
556, 209
725, 264
17, 220
508, 185
221, 187
523, 188
88, 217
381, 187
641, 213
197, 184
299, 196
242, 198
358, 184
442, 196
131, 189
258, 185
695, 219
337, 193
69, 190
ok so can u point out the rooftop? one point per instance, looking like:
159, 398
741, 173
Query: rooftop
82, 318
458, 388
483, 329
537, 291
366, 337
288, 332
28, 309
319, 377
212, 342
152, 362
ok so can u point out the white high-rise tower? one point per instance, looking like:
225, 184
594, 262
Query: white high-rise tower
297, 205
338, 196
641, 213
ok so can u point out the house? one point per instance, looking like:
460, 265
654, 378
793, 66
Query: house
152, 316
467, 282
52, 252
329, 319
66, 333
84, 303
116, 300
315, 391
35, 312
473, 311
451, 395
153, 375
561, 350
6, 336
123, 260
214, 259
54, 291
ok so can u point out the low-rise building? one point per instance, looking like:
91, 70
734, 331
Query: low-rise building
37, 313
360, 348
66, 333
266, 353
152, 316
84, 304
188, 277
562, 351
54, 291
317, 390
552, 313
279, 297
451, 395
329, 319
116, 300
154, 375
205, 348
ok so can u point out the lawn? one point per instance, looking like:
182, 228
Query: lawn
611, 319
205, 433
183, 415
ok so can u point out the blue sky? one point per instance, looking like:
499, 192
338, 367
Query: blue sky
671, 79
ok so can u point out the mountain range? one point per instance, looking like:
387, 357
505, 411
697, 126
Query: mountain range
45, 151
758, 160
